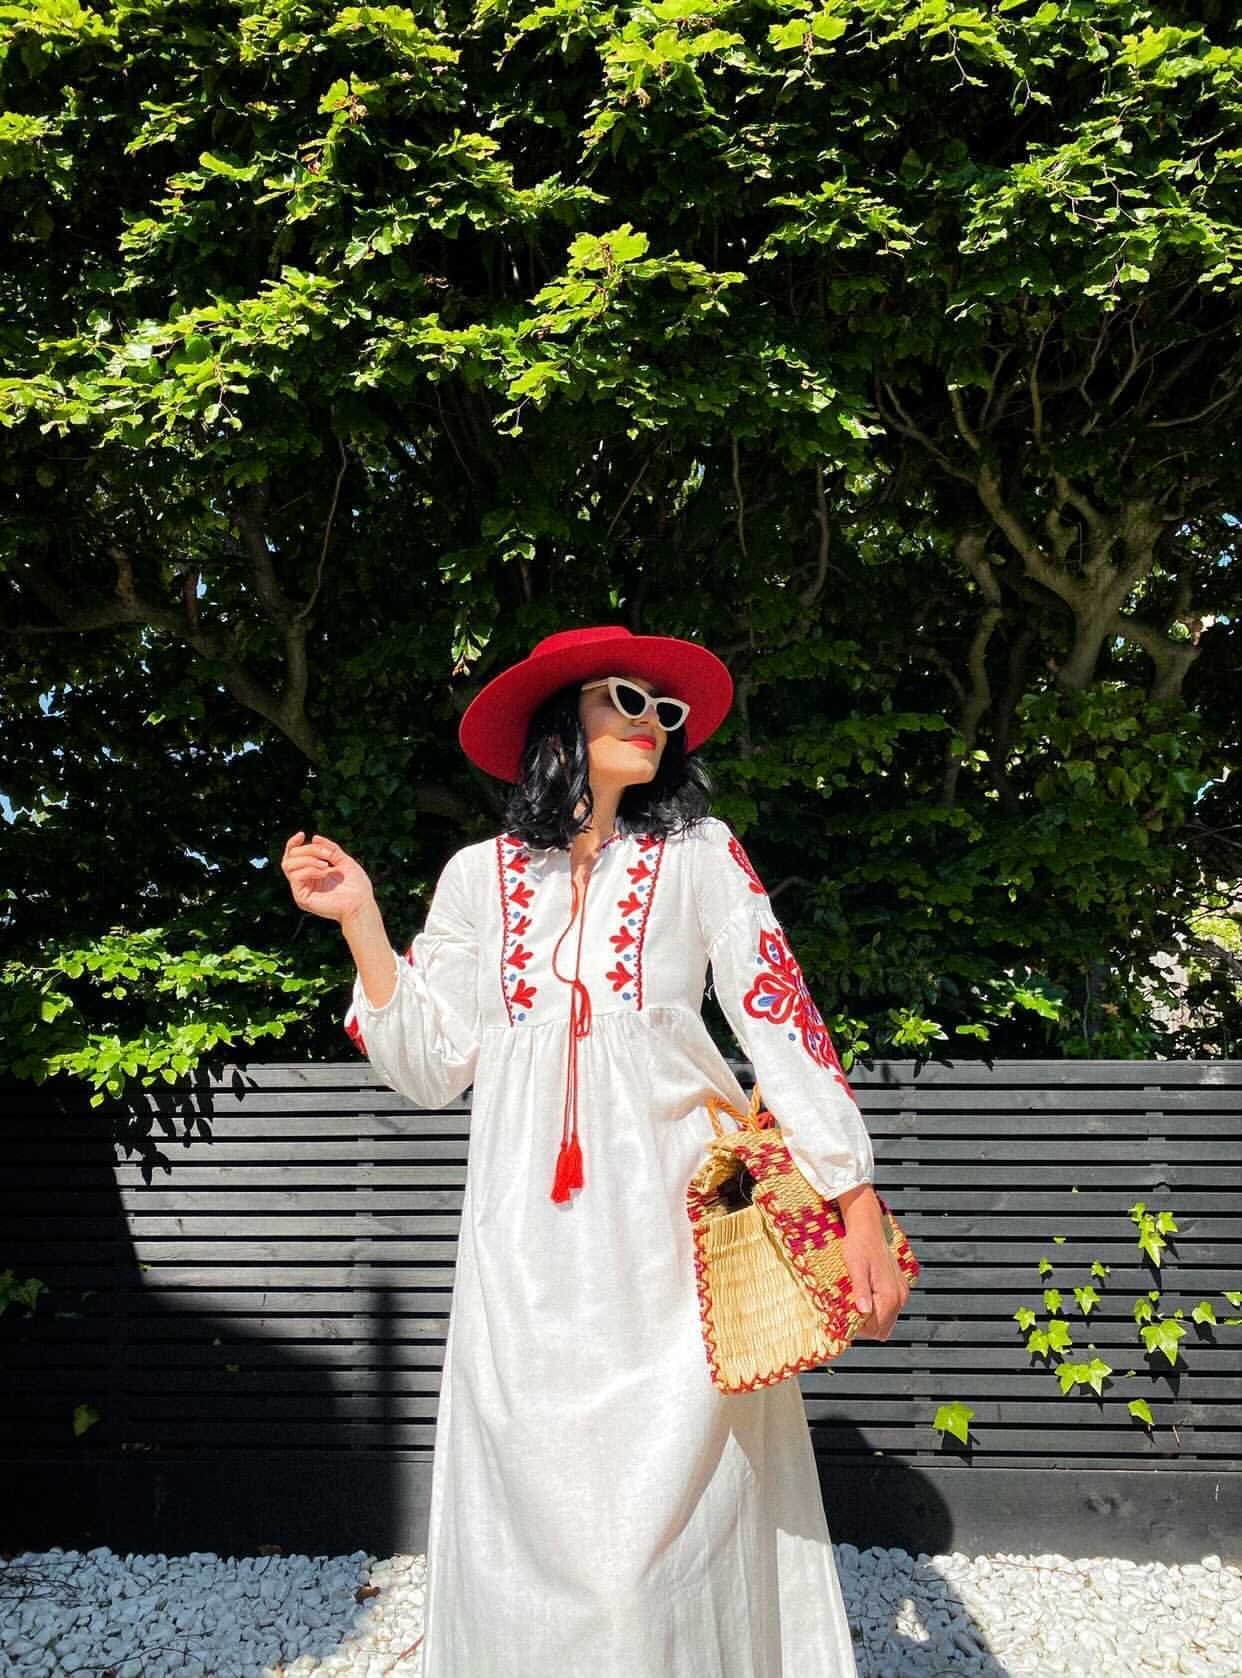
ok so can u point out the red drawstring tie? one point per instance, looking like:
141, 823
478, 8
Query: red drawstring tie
569, 1159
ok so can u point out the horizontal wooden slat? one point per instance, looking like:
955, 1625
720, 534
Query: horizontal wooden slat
990, 1442
982, 1292
381, 1343
202, 1218
1061, 1111
414, 1188
998, 1073
1088, 1425
1215, 1403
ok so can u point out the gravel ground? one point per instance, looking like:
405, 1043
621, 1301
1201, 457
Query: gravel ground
67, 1615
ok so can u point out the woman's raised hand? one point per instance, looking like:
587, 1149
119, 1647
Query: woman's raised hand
324, 879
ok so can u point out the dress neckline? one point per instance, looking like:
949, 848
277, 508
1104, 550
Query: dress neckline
544, 853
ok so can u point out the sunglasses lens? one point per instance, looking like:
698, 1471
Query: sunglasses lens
633, 701
670, 714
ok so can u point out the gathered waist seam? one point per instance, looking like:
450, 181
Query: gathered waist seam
597, 1014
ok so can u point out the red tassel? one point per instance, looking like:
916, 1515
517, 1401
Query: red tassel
568, 1169
575, 1163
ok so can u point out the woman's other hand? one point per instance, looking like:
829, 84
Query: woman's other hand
880, 1287
324, 879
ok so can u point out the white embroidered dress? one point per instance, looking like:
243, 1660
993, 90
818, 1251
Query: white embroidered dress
598, 1508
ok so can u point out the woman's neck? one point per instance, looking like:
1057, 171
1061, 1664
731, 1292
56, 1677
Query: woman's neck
586, 846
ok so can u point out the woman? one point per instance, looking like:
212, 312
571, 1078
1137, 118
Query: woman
598, 1508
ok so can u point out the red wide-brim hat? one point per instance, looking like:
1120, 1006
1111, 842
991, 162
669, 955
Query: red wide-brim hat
492, 731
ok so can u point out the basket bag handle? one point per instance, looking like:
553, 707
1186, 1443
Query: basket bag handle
750, 1120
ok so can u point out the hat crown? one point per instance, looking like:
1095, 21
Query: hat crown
566, 639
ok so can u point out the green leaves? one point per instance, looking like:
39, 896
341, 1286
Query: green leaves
1050, 1341
1091, 1374
606, 253
85, 1417
1163, 1337
1160, 1334
1139, 51
183, 1000
1152, 1230
954, 1418
24, 1292
228, 167
804, 32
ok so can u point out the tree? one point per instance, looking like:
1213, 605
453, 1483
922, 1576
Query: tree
887, 347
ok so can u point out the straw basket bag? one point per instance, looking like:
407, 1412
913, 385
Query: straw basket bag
774, 1289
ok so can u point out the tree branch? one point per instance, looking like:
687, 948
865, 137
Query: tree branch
130, 608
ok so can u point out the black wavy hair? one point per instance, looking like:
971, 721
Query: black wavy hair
540, 806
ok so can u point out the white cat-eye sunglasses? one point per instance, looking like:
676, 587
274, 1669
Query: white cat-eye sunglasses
634, 702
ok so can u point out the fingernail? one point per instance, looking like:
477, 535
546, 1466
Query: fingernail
864, 1305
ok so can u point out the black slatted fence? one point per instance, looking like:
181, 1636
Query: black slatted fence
246, 1314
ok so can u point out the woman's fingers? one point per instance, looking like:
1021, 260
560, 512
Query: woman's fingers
887, 1290
308, 867
318, 850
891, 1296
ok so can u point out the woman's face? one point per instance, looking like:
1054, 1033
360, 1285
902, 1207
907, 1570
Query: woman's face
615, 743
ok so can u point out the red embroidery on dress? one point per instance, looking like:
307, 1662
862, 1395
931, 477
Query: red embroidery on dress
780, 994
516, 896
738, 853
635, 909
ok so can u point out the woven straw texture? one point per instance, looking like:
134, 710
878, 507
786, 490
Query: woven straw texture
775, 1294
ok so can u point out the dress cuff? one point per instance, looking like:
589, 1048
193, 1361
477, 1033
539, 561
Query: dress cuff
364, 1007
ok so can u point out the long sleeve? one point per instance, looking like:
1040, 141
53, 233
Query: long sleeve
424, 1041
765, 999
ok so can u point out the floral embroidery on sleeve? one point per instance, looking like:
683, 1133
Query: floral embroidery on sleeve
779, 994
516, 896
635, 908
738, 853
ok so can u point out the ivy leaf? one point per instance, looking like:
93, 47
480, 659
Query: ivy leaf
954, 1418
1059, 1338
1164, 1336
84, 1416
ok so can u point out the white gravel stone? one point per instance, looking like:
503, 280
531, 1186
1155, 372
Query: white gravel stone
944, 1616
